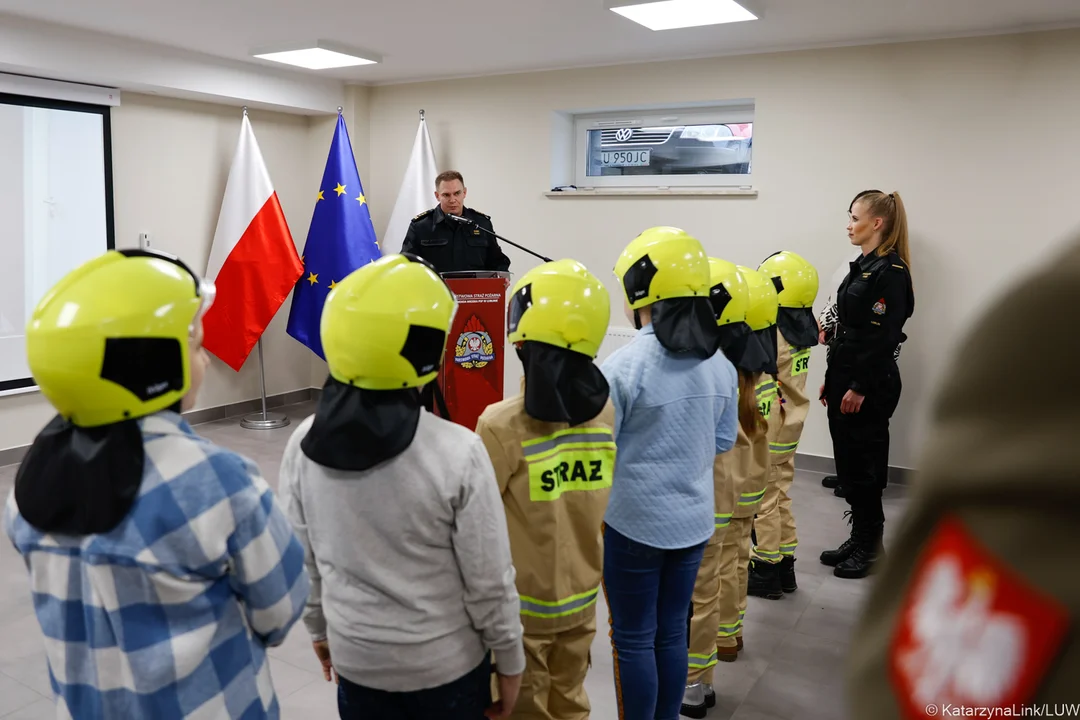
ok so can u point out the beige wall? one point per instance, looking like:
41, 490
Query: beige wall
978, 135
170, 162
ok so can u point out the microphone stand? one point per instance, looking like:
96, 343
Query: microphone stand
466, 221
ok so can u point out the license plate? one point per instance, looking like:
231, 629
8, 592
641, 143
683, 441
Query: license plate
625, 158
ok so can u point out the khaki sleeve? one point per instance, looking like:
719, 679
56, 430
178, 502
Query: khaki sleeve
1000, 461
504, 470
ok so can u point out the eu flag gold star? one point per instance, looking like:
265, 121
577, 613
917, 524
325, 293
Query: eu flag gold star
361, 199
340, 189
313, 278
321, 195
333, 284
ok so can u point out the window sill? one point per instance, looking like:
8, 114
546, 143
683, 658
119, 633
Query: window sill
655, 192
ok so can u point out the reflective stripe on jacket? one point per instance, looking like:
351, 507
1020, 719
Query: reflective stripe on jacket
555, 481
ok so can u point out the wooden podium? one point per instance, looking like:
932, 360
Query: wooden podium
471, 377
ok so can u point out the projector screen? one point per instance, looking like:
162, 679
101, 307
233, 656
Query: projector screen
55, 209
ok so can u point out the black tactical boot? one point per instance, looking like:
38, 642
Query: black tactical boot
787, 574
866, 533
832, 558
764, 581
858, 565
840, 491
830, 481
866, 530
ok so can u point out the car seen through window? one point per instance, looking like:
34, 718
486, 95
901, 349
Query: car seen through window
677, 150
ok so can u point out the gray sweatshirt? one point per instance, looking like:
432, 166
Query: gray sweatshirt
411, 575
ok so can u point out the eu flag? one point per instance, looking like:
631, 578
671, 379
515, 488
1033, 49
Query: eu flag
340, 240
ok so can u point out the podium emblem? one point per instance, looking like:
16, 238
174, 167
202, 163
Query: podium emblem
474, 348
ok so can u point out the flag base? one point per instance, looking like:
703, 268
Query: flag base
267, 421
263, 420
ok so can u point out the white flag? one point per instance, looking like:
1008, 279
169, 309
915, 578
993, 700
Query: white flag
417, 192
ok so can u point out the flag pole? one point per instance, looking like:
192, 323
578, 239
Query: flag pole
265, 420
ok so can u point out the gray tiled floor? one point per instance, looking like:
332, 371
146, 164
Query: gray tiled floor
790, 668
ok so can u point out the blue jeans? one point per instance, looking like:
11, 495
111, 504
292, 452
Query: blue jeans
648, 593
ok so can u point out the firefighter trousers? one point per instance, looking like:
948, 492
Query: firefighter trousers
705, 619
774, 527
553, 687
734, 564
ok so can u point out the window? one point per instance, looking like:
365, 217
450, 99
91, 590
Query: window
701, 147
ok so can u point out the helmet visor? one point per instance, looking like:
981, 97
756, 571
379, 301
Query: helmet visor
519, 303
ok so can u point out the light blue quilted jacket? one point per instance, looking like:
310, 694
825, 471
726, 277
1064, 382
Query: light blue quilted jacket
673, 415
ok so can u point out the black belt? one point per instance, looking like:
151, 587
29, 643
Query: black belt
843, 332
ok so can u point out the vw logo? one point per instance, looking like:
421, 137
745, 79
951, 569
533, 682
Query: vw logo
623, 134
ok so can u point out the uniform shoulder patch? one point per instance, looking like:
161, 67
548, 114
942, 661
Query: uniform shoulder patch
424, 214
483, 215
971, 631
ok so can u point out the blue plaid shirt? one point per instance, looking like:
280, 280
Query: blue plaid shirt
169, 615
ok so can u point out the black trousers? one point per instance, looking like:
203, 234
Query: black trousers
464, 699
861, 440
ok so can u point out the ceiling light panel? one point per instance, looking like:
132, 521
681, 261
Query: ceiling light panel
319, 56
672, 14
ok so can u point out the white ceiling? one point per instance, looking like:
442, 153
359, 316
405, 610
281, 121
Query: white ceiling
430, 39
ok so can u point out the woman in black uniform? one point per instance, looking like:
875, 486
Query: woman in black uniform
826, 327
862, 383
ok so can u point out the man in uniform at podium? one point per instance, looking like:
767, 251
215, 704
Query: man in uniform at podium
451, 236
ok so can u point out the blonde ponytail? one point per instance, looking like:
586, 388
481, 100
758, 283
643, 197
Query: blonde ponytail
890, 208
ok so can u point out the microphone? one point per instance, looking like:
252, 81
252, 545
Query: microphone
461, 220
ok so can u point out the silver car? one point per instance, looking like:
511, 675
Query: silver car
678, 150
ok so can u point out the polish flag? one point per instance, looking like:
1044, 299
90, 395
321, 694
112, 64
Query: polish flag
416, 193
253, 261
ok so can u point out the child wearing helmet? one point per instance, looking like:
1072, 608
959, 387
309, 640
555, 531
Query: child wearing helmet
399, 515
772, 572
730, 299
675, 401
748, 463
169, 553
553, 451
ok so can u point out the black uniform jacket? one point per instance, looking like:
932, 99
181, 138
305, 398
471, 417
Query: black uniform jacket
873, 303
453, 247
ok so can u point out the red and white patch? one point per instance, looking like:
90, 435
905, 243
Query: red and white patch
879, 307
971, 632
